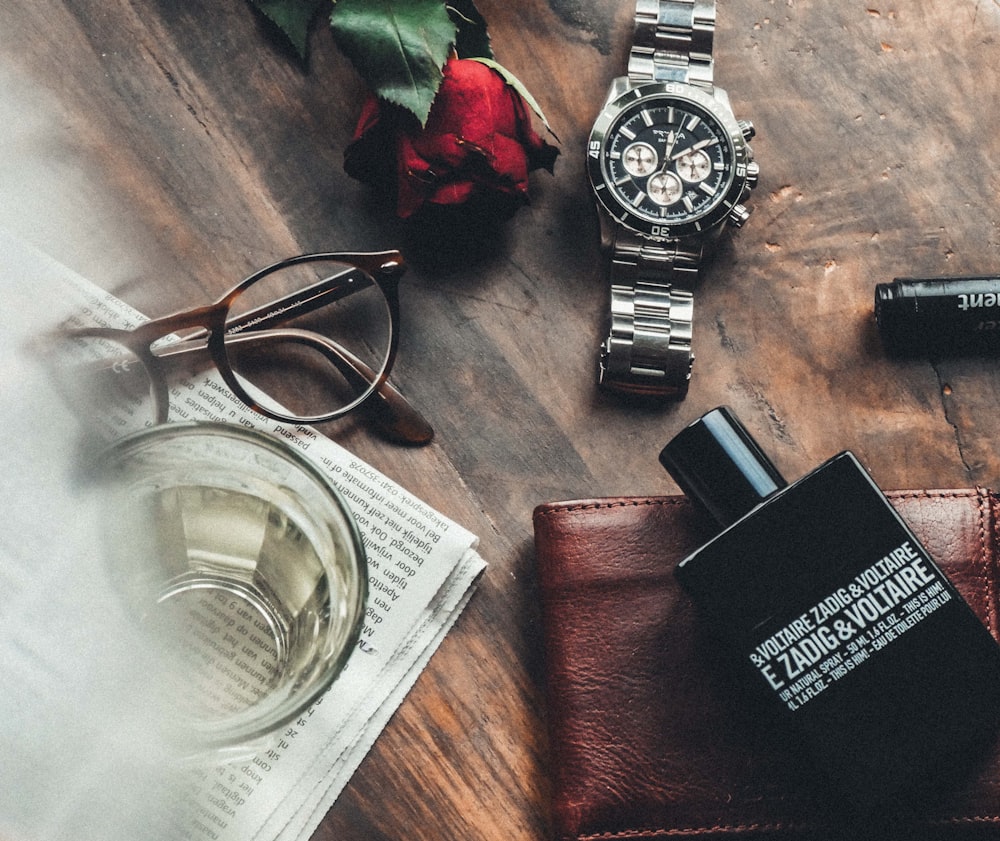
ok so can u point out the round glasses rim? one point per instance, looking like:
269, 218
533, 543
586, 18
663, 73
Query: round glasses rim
385, 282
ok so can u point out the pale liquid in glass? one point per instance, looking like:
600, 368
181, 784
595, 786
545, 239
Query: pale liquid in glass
242, 599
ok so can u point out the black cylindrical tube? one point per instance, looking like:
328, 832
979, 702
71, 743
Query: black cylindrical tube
945, 315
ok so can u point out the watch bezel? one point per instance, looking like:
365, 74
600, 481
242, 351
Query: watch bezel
683, 94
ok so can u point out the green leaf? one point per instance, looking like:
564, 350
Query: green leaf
398, 47
472, 40
293, 18
518, 85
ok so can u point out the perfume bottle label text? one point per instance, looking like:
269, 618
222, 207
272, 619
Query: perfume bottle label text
843, 630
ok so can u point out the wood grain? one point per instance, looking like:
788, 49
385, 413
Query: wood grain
192, 149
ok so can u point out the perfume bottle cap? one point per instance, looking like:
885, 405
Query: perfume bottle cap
719, 466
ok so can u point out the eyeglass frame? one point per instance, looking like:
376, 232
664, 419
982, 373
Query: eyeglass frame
392, 412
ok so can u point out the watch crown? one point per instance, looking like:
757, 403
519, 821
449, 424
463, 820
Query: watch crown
739, 214
753, 173
746, 127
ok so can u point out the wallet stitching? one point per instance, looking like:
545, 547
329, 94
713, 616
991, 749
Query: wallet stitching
555, 509
990, 535
568, 508
678, 831
983, 572
973, 820
749, 827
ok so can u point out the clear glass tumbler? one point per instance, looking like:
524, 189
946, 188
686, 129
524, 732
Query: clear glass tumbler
244, 569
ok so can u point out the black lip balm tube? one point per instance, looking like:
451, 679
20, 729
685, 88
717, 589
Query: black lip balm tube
945, 315
837, 617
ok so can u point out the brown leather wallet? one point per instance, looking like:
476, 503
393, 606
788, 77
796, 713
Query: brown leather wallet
646, 739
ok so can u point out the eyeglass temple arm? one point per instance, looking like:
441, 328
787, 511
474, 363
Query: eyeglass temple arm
387, 408
306, 300
391, 413
313, 297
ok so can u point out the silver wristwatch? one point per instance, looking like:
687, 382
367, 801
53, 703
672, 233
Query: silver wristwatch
670, 166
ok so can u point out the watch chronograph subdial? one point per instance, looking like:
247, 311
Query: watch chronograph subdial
665, 188
639, 159
694, 166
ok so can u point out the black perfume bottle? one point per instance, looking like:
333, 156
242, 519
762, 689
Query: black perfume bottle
837, 616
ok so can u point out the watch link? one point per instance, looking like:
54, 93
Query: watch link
670, 166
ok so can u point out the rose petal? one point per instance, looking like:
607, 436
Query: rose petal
478, 139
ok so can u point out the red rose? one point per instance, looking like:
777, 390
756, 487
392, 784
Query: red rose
478, 142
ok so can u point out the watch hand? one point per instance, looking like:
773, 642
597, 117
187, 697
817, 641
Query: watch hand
701, 144
671, 140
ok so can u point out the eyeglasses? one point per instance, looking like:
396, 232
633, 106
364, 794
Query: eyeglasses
304, 341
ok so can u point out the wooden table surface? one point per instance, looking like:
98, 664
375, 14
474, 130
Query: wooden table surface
164, 149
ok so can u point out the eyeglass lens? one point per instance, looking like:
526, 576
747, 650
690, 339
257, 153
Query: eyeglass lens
320, 349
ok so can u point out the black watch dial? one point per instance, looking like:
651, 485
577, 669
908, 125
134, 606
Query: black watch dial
667, 165
668, 160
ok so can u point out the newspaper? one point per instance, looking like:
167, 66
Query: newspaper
423, 568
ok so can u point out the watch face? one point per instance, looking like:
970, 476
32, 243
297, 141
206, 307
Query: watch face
665, 162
